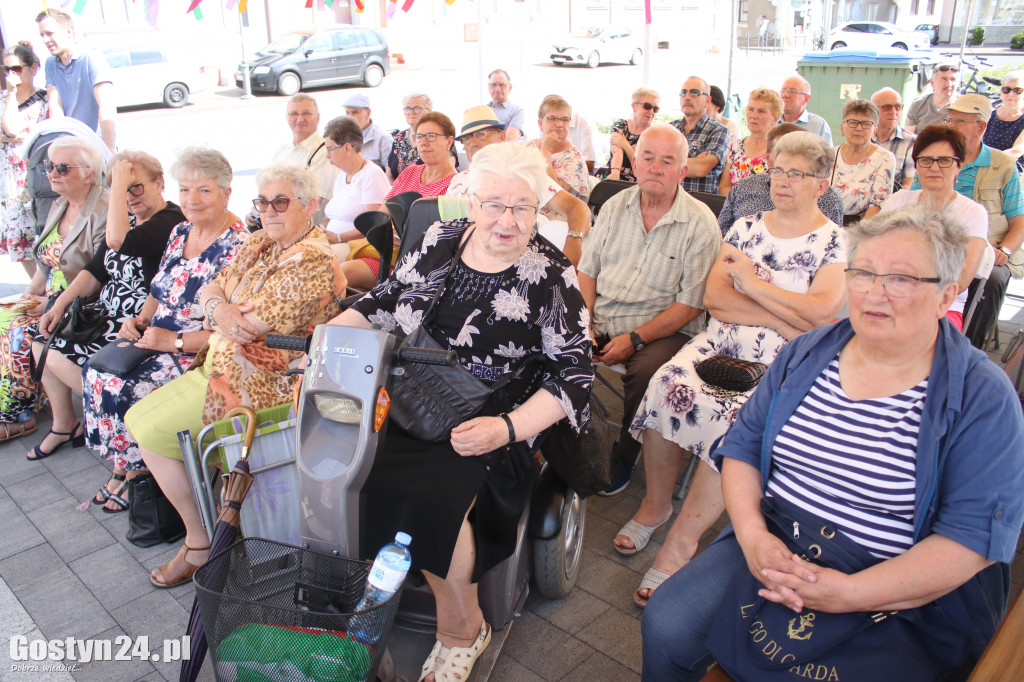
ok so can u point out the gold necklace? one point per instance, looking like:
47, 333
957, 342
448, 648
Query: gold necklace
208, 240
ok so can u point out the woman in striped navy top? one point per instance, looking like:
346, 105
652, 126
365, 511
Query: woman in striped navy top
889, 428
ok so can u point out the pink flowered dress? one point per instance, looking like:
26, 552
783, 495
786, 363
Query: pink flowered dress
16, 224
570, 169
743, 165
177, 287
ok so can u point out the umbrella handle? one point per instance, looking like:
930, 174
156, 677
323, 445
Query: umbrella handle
250, 427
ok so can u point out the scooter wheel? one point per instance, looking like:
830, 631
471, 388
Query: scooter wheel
556, 562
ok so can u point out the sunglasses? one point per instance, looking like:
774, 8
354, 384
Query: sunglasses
280, 204
1006, 90
62, 168
648, 106
692, 92
15, 69
137, 190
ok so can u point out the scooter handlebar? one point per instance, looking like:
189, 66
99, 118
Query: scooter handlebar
295, 343
425, 356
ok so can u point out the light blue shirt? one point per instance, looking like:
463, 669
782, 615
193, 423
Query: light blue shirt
512, 115
75, 82
814, 124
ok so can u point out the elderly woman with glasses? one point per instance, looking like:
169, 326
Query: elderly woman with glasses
939, 153
885, 438
626, 133
511, 304
862, 172
284, 280
778, 274
360, 186
139, 223
1005, 129
73, 234
566, 166
403, 151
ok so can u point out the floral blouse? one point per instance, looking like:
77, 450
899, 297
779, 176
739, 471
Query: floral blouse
403, 152
535, 307
292, 292
570, 169
742, 165
866, 184
622, 126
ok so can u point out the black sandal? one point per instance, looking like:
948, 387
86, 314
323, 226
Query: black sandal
76, 442
105, 494
122, 504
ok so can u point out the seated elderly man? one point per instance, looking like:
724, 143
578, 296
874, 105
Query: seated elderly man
890, 135
306, 150
480, 128
707, 140
796, 95
643, 272
377, 142
752, 195
989, 177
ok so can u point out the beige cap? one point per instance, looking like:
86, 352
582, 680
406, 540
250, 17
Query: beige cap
479, 118
973, 104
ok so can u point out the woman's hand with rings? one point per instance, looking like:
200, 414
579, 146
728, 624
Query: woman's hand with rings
132, 328
157, 338
479, 436
231, 322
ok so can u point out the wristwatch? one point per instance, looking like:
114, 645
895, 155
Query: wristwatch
575, 234
179, 342
1005, 250
638, 343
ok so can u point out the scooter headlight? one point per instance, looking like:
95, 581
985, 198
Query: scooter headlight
338, 408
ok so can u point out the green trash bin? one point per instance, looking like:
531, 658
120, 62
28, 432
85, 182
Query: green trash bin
839, 76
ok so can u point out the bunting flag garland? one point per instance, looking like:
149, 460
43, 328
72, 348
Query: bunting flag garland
194, 5
230, 4
647, 11
152, 9
243, 6
360, 5
79, 6
328, 3
309, 4
408, 5
451, 2
392, 6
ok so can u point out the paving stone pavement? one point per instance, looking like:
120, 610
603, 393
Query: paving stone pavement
69, 572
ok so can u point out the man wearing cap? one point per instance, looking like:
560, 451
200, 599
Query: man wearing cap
890, 135
306, 150
377, 142
511, 115
929, 107
796, 95
989, 177
708, 139
480, 127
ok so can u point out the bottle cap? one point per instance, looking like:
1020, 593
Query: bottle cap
403, 539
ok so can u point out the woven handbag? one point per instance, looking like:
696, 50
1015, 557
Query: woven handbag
730, 373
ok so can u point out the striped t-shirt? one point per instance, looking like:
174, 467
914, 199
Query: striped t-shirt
853, 462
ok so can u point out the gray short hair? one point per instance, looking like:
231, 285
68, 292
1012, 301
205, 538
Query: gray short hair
812, 147
84, 152
1013, 77
147, 163
671, 131
303, 97
303, 182
512, 161
208, 163
865, 107
947, 240
418, 95
344, 130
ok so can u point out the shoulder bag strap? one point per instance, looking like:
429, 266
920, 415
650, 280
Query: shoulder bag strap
309, 161
37, 367
835, 162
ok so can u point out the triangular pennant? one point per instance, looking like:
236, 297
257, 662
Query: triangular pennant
79, 6
194, 5
407, 5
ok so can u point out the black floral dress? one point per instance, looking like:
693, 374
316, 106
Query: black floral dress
494, 322
125, 275
622, 126
403, 152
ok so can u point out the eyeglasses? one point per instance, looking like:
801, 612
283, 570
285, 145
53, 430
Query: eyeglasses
858, 125
280, 204
959, 121
648, 106
414, 110
495, 209
793, 175
1006, 90
793, 91
478, 135
429, 137
137, 190
894, 107
894, 284
928, 161
692, 92
17, 69
62, 168
301, 114
499, 85
330, 149
558, 119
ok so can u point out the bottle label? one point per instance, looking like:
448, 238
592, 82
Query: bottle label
385, 578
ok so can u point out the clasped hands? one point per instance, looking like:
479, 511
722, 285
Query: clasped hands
794, 582
141, 331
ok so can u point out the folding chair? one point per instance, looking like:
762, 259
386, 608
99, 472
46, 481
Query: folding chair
398, 207
605, 190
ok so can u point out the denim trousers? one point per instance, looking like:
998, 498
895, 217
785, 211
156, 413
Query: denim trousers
679, 614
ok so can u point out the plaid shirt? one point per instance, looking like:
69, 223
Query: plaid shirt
639, 274
901, 144
707, 136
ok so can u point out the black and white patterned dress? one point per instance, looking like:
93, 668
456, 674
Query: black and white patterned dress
125, 275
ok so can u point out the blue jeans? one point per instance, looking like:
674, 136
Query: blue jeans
678, 616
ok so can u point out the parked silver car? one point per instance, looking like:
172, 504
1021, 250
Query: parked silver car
599, 45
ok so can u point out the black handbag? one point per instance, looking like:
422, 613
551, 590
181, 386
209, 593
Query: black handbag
729, 373
81, 324
583, 460
119, 357
152, 518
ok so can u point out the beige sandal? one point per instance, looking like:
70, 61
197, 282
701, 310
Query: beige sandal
458, 660
639, 534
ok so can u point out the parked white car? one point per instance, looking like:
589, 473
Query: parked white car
595, 46
145, 75
875, 35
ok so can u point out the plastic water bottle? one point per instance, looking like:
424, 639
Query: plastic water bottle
386, 576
